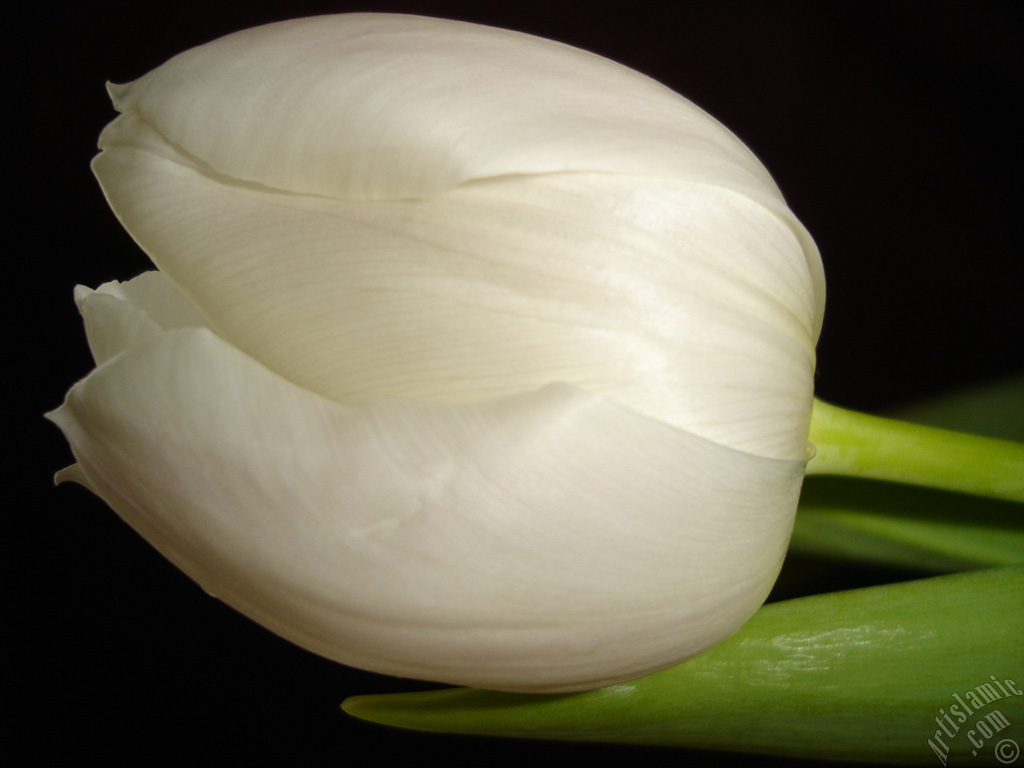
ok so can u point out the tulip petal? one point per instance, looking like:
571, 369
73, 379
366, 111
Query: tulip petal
388, 107
682, 301
550, 541
118, 315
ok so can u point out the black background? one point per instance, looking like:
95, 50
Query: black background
891, 128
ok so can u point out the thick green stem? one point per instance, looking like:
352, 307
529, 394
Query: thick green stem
859, 445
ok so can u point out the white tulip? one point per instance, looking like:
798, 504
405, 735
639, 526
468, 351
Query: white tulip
471, 356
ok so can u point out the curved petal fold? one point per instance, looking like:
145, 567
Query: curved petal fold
549, 541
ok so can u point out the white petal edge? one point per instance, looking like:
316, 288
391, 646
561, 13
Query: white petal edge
547, 542
370, 106
119, 314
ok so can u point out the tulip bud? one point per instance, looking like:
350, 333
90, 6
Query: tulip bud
471, 356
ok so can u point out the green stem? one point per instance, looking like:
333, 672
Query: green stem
859, 445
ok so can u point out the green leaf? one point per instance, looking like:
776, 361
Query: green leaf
994, 409
865, 675
891, 524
